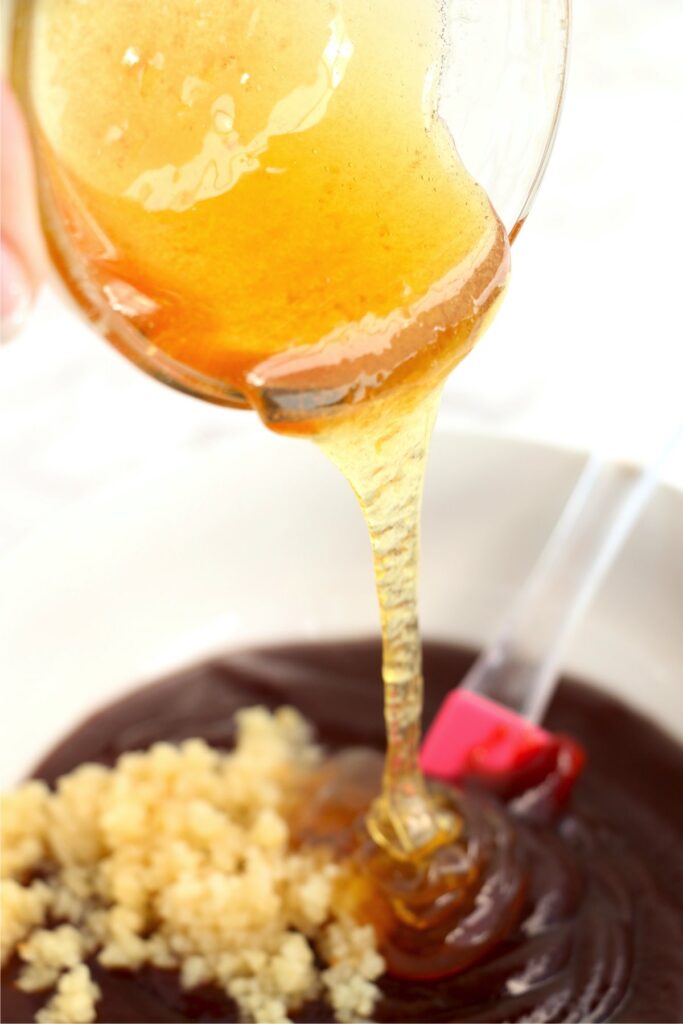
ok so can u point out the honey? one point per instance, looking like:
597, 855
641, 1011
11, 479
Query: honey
246, 179
259, 202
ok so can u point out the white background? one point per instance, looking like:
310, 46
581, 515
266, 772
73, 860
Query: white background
587, 351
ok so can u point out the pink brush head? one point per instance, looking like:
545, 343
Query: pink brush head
474, 737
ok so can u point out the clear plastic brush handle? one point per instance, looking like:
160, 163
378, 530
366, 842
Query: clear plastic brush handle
519, 668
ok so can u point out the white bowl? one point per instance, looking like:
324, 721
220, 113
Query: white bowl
261, 540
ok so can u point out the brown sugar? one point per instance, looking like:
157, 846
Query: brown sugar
180, 857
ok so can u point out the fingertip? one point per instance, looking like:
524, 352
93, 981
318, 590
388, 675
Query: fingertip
16, 293
21, 231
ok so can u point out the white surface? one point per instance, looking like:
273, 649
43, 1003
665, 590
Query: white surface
243, 544
587, 350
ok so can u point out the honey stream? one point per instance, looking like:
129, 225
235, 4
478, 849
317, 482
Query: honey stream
386, 472
260, 203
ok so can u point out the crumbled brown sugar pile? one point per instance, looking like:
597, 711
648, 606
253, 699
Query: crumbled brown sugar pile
180, 857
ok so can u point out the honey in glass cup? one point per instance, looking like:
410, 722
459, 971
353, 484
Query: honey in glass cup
242, 181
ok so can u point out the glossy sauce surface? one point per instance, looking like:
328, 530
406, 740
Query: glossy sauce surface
600, 933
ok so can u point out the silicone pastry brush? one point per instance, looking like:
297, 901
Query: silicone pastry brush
490, 724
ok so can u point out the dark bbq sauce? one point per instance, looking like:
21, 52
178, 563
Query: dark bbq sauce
600, 936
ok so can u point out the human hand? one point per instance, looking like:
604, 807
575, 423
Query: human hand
22, 250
